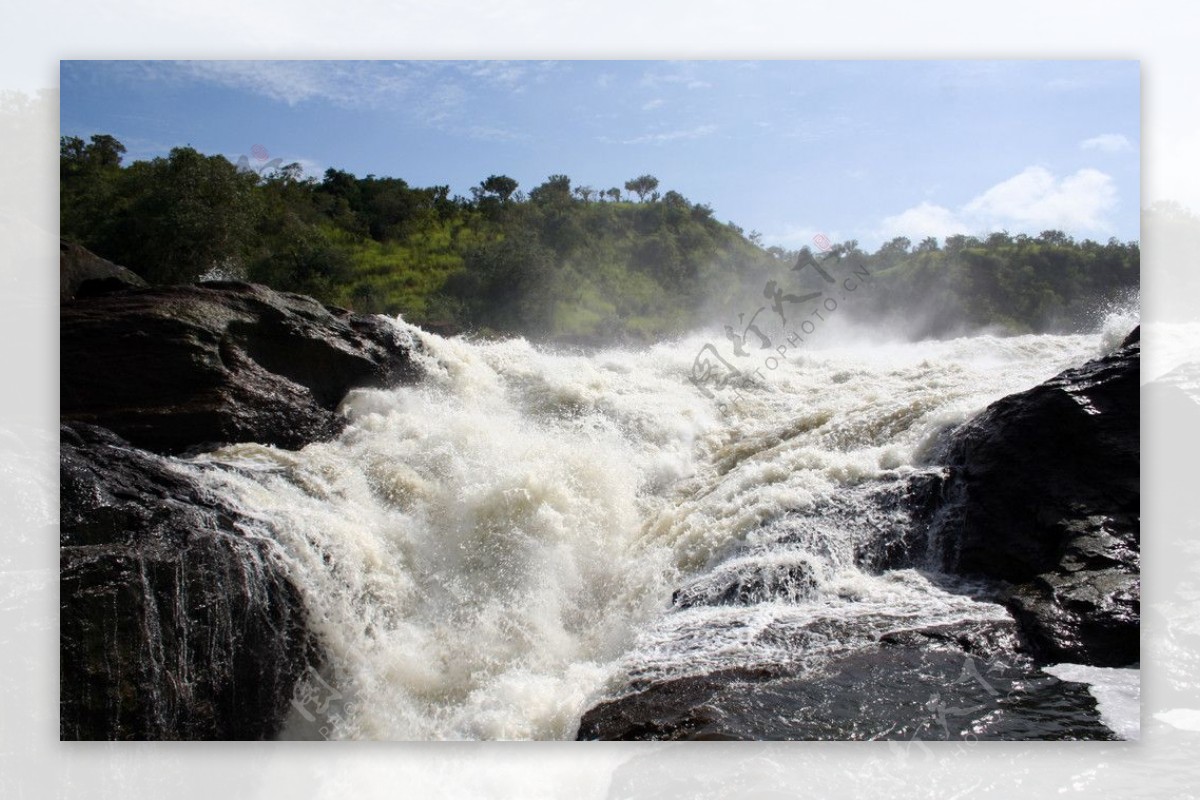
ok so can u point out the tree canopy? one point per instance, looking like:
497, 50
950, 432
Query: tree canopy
564, 262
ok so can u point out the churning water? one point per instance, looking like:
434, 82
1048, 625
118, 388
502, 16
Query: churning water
487, 553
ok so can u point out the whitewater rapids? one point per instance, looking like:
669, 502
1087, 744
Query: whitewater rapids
487, 553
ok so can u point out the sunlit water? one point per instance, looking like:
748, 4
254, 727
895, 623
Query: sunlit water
487, 553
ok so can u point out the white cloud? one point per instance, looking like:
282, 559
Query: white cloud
921, 221
652, 104
1034, 200
1107, 143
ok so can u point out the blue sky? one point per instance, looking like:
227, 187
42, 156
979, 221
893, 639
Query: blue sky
853, 149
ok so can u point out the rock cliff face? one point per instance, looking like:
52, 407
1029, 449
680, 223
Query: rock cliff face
178, 618
1042, 493
174, 623
177, 368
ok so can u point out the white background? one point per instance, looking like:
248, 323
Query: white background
33, 37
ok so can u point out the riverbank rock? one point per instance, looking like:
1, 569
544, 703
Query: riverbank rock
84, 274
913, 685
1042, 492
182, 368
175, 624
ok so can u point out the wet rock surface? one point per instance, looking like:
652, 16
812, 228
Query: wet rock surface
176, 621
1042, 492
911, 686
178, 617
184, 368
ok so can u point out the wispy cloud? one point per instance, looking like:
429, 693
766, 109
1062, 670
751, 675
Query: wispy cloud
1033, 200
437, 94
659, 137
650, 105
684, 73
503, 73
1107, 143
817, 128
512, 75
348, 84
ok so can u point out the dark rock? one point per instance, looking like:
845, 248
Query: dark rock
927, 689
1042, 492
986, 639
84, 274
174, 623
183, 367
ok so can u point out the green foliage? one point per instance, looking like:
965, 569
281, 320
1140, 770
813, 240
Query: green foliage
642, 185
567, 263
169, 220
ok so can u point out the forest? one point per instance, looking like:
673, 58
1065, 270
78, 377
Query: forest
630, 263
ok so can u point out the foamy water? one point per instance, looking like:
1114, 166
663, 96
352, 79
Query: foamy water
487, 553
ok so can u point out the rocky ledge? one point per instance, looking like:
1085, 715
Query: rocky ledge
178, 617
964, 683
1042, 494
180, 368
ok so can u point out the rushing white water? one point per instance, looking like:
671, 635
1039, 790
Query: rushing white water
487, 551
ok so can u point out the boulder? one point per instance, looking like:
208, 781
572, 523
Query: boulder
946, 684
84, 274
1042, 493
175, 624
181, 368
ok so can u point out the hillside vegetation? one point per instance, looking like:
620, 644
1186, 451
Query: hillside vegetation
559, 262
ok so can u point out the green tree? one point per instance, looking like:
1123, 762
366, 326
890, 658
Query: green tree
186, 216
642, 185
556, 191
501, 186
